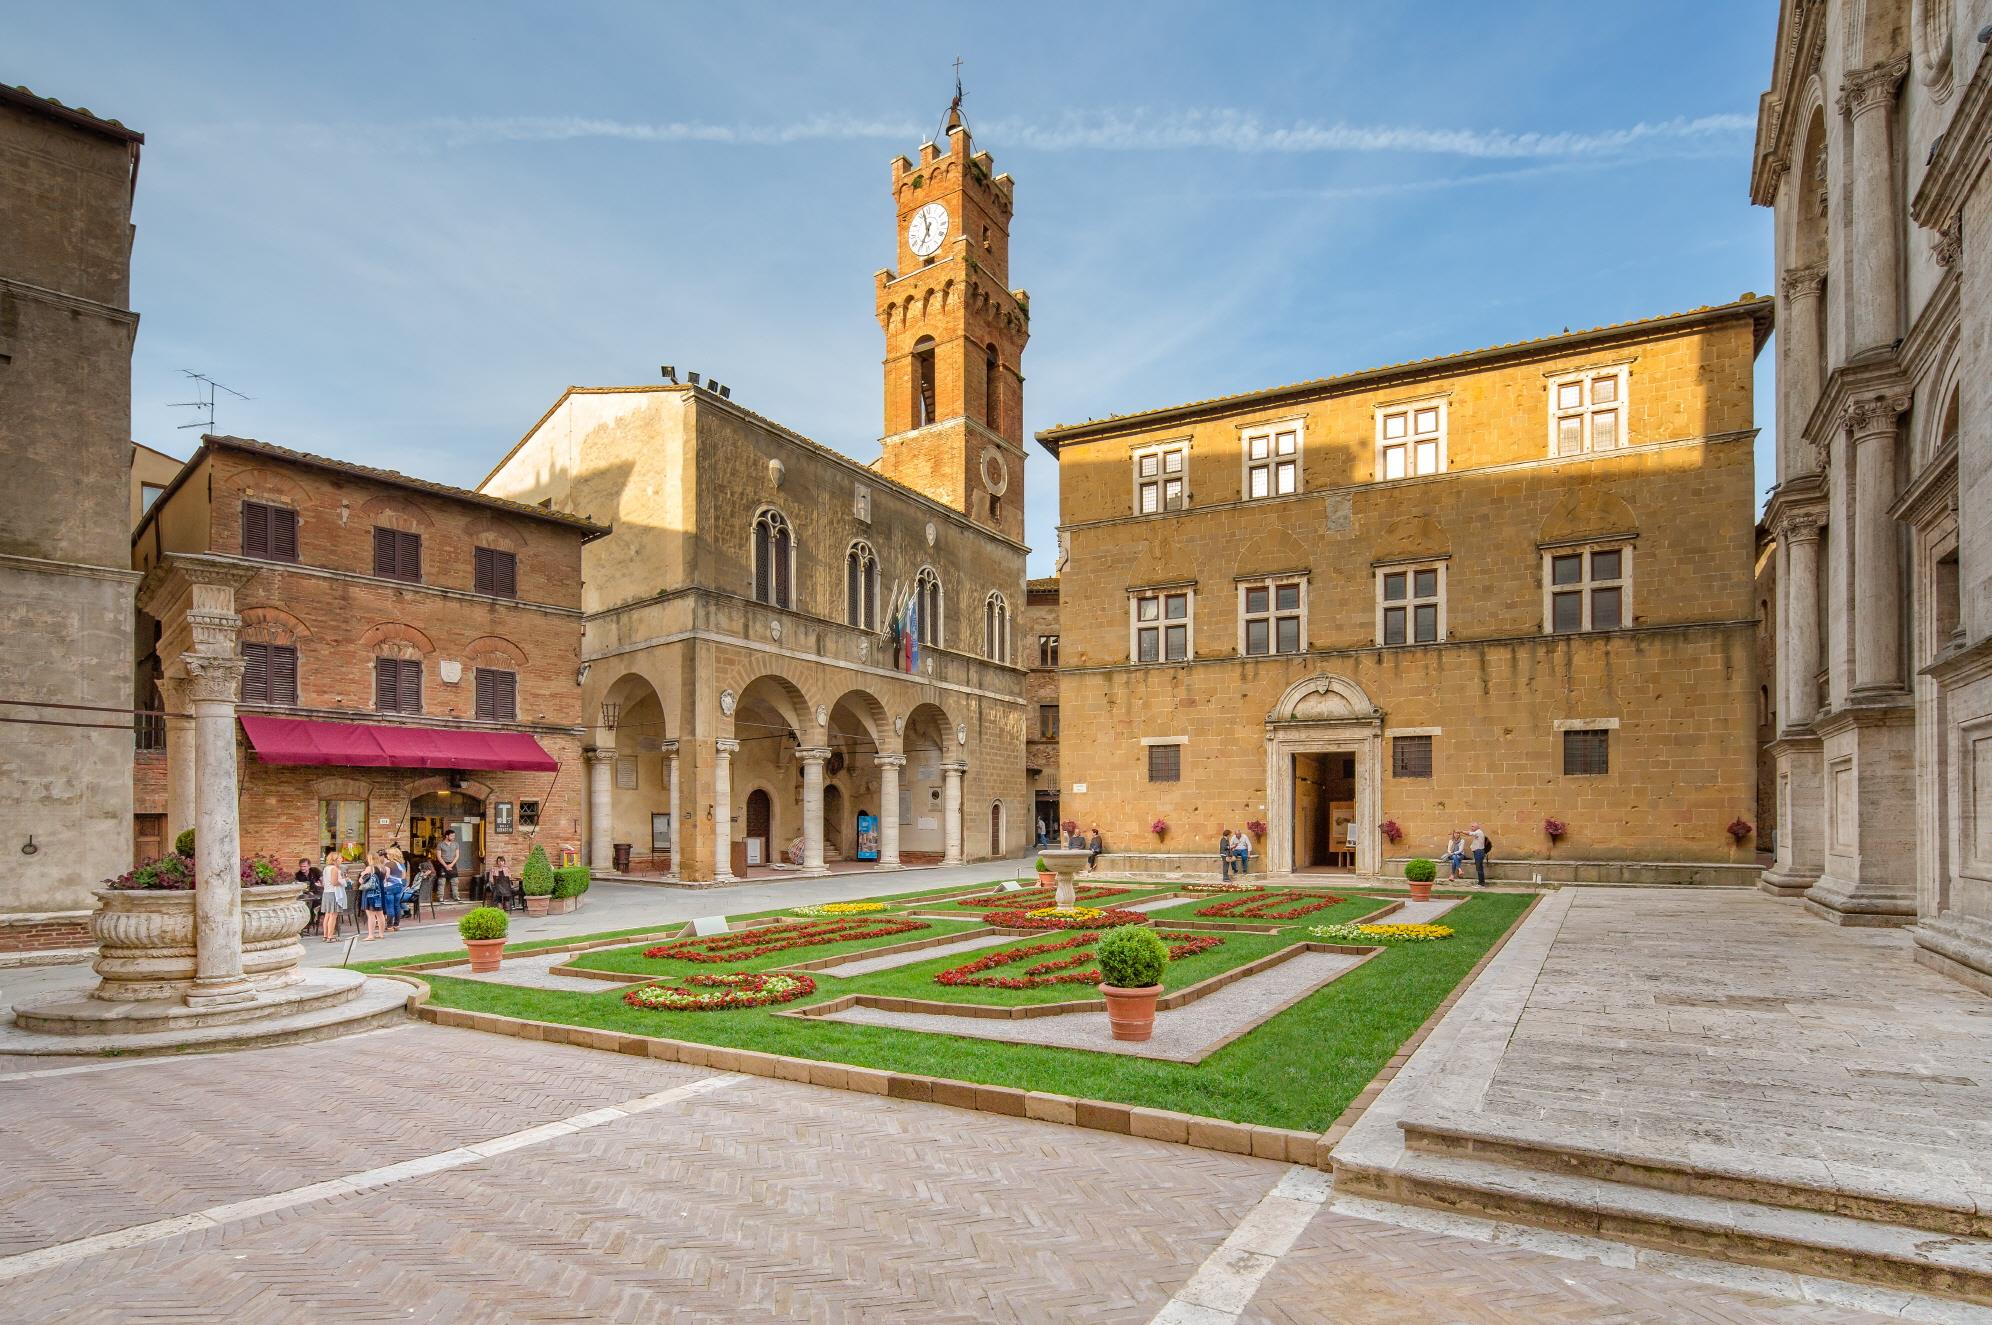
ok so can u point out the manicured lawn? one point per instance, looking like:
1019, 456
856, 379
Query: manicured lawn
1300, 1069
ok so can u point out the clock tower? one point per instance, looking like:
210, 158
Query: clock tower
954, 336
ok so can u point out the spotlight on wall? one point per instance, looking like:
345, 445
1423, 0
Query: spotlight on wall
693, 378
726, 393
670, 373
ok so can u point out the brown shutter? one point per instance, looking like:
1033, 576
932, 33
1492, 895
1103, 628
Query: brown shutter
482, 577
508, 696
283, 535
411, 557
255, 529
384, 552
411, 685
282, 674
484, 696
256, 673
387, 675
506, 564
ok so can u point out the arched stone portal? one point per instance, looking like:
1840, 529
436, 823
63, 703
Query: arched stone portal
1317, 721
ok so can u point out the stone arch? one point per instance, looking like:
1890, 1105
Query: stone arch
1324, 715
1943, 417
870, 716
1811, 197
785, 698
346, 789
270, 485
391, 510
495, 651
429, 786
1412, 536
487, 530
398, 639
271, 625
1587, 513
1324, 697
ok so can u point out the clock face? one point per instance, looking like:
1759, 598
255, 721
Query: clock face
927, 229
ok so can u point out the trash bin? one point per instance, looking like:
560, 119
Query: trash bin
622, 850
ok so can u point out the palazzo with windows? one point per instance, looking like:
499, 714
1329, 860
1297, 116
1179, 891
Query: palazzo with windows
749, 704
408, 656
1499, 587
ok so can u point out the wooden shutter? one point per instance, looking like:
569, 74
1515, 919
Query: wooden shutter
283, 674
387, 681
495, 571
497, 695
482, 575
411, 685
508, 697
255, 529
384, 552
283, 533
256, 674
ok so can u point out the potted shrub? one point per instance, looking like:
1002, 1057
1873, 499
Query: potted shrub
483, 931
1419, 874
536, 882
1132, 959
569, 882
1047, 877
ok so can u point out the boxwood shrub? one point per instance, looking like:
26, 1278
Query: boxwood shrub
1131, 957
486, 922
570, 881
1420, 870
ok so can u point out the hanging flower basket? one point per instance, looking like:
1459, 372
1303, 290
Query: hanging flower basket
1740, 829
1256, 827
1392, 833
1160, 828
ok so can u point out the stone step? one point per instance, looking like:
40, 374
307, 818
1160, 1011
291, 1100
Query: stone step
1509, 1141
1800, 1241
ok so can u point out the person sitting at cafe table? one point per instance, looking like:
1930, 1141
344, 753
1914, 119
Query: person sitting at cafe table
502, 886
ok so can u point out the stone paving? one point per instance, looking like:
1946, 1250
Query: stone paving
722, 1199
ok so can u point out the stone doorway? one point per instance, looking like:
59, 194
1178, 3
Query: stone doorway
1324, 779
833, 821
758, 815
1324, 811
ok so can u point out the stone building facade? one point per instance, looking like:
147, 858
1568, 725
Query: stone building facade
1872, 149
746, 703
67, 178
1503, 586
1039, 641
410, 653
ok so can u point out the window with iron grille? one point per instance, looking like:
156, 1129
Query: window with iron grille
1410, 756
1587, 753
1165, 763
495, 571
268, 531
497, 695
397, 554
398, 685
269, 675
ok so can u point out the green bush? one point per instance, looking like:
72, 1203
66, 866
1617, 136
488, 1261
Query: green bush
570, 881
183, 845
1042, 868
486, 922
1132, 957
1420, 870
536, 879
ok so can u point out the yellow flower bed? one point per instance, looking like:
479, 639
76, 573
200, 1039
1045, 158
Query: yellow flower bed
1382, 933
840, 909
1065, 913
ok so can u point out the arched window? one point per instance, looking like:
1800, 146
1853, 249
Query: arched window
927, 594
861, 586
990, 376
996, 628
923, 382
774, 559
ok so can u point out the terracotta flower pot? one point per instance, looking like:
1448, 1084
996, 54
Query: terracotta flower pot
485, 953
1131, 1012
1421, 892
538, 906
1047, 879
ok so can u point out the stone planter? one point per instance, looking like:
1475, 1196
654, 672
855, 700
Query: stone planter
1131, 1012
484, 953
145, 940
562, 905
538, 906
1420, 892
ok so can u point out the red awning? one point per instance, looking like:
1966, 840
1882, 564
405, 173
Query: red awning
372, 745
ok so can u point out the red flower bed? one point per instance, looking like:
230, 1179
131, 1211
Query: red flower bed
1058, 971
1270, 906
752, 943
1030, 899
739, 989
1108, 919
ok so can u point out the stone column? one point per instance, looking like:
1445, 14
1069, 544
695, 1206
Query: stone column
179, 758
671, 806
601, 813
888, 810
722, 809
1798, 630
1873, 257
812, 757
951, 811
214, 682
1801, 335
1871, 426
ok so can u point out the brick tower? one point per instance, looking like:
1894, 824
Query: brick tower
954, 336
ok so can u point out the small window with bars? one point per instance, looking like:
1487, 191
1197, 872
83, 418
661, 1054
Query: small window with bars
269, 532
1587, 413
397, 554
497, 695
1272, 462
1588, 590
1162, 627
1273, 617
1587, 753
1159, 478
398, 685
1410, 441
1410, 603
1410, 756
495, 571
269, 674
1165, 763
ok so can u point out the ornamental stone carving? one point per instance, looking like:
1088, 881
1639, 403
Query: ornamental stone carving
822, 716
1803, 282
1867, 89
1948, 243
212, 678
726, 702
145, 940
1874, 414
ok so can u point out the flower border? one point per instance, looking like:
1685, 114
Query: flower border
734, 990
1260, 906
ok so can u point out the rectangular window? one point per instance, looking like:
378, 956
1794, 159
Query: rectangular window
1047, 722
1047, 650
1587, 753
1272, 462
495, 571
1587, 412
1162, 626
269, 532
1160, 476
1411, 440
1588, 589
1165, 763
1410, 756
397, 555
1411, 604
340, 823
270, 674
497, 695
149, 493
398, 685
1273, 617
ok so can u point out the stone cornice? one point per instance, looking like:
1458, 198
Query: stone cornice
1877, 373
1959, 156
1895, 712
72, 303
1935, 330
257, 566
1803, 496
1972, 663
1801, 37
45, 566
1931, 492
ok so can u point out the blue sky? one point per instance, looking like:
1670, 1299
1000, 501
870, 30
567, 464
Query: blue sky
404, 228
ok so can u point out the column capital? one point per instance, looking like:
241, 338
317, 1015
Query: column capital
1803, 282
812, 754
955, 766
726, 745
1869, 416
889, 761
1798, 527
1865, 89
213, 678
599, 756
670, 749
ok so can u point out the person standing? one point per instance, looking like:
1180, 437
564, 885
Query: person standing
332, 900
448, 853
1224, 854
395, 891
373, 897
1479, 841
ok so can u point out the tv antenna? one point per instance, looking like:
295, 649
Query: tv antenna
204, 395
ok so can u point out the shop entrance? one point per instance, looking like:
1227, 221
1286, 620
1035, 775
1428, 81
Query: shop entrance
432, 814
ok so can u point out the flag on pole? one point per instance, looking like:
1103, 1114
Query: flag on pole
913, 632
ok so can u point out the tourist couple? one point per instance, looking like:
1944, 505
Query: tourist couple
1457, 847
1235, 851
